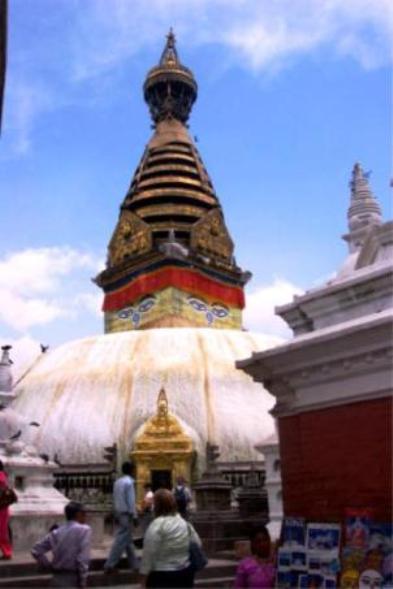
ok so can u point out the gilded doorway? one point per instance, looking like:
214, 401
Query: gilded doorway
162, 448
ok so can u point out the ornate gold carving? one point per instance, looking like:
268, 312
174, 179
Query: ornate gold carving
162, 425
131, 236
162, 445
210, 236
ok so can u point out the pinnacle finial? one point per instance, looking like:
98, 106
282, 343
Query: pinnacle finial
364, 211
170, 88
169, 56
171, 39
162, 404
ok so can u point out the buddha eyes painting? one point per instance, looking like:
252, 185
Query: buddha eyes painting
212, 312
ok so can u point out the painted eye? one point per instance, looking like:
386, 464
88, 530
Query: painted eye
146, 304
197, 304
219, 311
125, 313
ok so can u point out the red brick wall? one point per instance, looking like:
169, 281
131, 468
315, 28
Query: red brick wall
336, 458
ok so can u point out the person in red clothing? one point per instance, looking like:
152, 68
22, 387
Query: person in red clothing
5, 544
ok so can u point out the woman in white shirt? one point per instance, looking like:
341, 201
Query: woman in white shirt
165, 560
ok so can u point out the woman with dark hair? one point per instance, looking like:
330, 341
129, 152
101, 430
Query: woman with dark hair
257, 571
5, 544
165, 560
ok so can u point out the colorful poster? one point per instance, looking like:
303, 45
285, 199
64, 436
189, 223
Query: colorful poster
357, 528
315, 580
299, 559
285, 579
291, 557
293, 532
330, 582
323, 537
367, 557
323, 544
284, 559
303, 582
306, 581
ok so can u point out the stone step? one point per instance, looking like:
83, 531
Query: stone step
24, 576
96, 579
226, 555
211, 582
30, 567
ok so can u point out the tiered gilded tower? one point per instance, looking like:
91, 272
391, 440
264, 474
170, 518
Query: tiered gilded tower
170, 259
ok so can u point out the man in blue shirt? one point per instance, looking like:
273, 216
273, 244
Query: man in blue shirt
125, 514
70, 547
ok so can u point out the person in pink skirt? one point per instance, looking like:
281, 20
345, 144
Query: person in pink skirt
257, 571
5, 544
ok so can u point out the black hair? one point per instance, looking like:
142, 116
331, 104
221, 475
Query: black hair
259, 530
72, 509
127, 468
1, 466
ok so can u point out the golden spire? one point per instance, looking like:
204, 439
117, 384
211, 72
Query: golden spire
170, 88
170, 259
162, 405
169, 57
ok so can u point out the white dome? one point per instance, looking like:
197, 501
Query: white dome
90, 393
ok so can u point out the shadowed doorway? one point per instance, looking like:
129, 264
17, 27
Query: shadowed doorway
161, 479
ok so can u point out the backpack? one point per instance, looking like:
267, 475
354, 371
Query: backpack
181, 499
198, 558
7, 497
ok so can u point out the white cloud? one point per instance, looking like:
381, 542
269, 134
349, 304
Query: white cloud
260, 34
38, 286
271, 33
87, 41
260, 303
22, 312
38, 270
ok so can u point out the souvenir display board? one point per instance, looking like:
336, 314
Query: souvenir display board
321, 555
367, 557
309, 555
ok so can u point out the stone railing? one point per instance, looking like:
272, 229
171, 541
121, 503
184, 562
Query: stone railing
238, 473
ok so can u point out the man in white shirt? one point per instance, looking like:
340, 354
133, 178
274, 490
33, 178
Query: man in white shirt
70, 547
125, 514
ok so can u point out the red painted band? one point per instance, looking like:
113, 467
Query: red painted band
188, 280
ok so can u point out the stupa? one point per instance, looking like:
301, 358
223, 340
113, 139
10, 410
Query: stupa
39, 504
173, 300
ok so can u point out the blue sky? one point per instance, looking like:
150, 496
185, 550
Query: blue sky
291, 94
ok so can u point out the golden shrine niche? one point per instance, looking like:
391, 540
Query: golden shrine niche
210, 236
132, 236
162, 451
